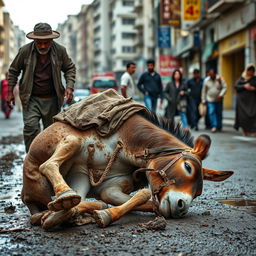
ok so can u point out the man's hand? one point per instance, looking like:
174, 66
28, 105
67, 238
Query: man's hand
68, 95
182, 93
10, 100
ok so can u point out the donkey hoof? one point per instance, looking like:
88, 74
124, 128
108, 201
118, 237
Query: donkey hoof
64, 201
53, 219
102, 217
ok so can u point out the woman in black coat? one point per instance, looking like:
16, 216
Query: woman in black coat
246, 102
176, 94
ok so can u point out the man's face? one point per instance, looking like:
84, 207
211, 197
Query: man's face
212, 74
131, 70
196, 75
150, 67
43, 46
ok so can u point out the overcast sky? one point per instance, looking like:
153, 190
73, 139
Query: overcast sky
27, 13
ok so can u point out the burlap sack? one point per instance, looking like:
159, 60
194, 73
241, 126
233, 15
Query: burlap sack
105, 112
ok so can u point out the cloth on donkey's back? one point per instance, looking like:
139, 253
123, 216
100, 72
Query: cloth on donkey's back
105, 112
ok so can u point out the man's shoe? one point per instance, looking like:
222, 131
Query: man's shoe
213, 129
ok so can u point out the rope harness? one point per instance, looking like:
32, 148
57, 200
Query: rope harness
112, 159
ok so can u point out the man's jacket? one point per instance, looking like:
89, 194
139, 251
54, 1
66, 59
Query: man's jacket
25, 61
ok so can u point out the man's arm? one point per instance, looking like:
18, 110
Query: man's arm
204, 90
161, 89
69, 70
140, 84
224, 87
124, 83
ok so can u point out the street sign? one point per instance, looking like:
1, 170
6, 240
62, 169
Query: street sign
164, 37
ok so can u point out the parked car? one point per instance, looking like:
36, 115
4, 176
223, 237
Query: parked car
103, 81
80, 94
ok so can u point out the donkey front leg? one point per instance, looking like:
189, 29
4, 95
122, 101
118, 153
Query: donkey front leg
105, 217
66, 198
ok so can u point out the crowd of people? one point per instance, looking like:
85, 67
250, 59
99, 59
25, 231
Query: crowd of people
42, 93
183, 96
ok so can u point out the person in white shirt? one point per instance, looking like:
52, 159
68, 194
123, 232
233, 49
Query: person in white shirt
127, 83
213, 91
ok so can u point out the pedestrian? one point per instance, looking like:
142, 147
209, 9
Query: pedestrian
4, 93
194, 86
127, 83
213, 91
150, 84
176, 94
40, 88
246, 102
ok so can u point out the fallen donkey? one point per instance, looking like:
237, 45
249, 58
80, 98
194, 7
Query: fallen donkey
106, 147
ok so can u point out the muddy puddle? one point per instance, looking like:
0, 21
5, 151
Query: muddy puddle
11, 159
249, 204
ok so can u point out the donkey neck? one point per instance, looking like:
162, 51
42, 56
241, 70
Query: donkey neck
139, 133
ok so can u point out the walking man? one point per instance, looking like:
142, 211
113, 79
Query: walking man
213, 91
127, 83
150, 84
194, 86
41, 90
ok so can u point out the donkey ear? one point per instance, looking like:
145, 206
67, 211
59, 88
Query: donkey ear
201, 146
214, 175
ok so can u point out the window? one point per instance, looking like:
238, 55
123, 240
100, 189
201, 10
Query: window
128, 49
128, 21
128, 3
127, 35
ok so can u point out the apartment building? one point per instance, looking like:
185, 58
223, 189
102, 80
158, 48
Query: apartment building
10, 44
123, 34
1, 39
101, 36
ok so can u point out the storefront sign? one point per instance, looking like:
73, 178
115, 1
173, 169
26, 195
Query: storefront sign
191, 10
233, 42
167, 64
170, 12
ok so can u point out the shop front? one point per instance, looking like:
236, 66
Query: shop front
232, 63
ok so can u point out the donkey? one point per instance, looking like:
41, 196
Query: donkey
65, 165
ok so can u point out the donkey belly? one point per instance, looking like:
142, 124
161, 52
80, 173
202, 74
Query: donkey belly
103, 150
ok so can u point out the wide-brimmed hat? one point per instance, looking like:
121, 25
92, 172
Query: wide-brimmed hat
43, 31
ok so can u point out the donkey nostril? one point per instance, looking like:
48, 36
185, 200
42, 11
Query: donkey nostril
181, 204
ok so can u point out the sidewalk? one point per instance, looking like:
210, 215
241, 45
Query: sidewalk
228, 117
12, 126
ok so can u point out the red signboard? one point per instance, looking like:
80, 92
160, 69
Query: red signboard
167, 64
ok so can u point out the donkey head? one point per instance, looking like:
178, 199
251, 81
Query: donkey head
175, 180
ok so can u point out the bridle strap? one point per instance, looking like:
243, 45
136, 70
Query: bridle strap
150, 153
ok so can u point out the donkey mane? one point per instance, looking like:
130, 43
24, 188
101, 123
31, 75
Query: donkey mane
171, 127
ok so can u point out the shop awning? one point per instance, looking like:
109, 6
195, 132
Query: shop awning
207, 52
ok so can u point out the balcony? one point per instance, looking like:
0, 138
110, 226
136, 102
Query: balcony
138, 6
138, 23
221, 5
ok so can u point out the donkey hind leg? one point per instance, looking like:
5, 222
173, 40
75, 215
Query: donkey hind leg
66, 198
78, 181
105, 217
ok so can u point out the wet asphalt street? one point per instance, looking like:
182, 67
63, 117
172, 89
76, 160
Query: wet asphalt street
210, 228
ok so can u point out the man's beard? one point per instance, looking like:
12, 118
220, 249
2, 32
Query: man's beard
151, 70
43, 51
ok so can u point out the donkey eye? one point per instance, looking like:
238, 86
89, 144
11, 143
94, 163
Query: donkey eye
188, 167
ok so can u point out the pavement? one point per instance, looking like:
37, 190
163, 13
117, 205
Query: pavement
12, 126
